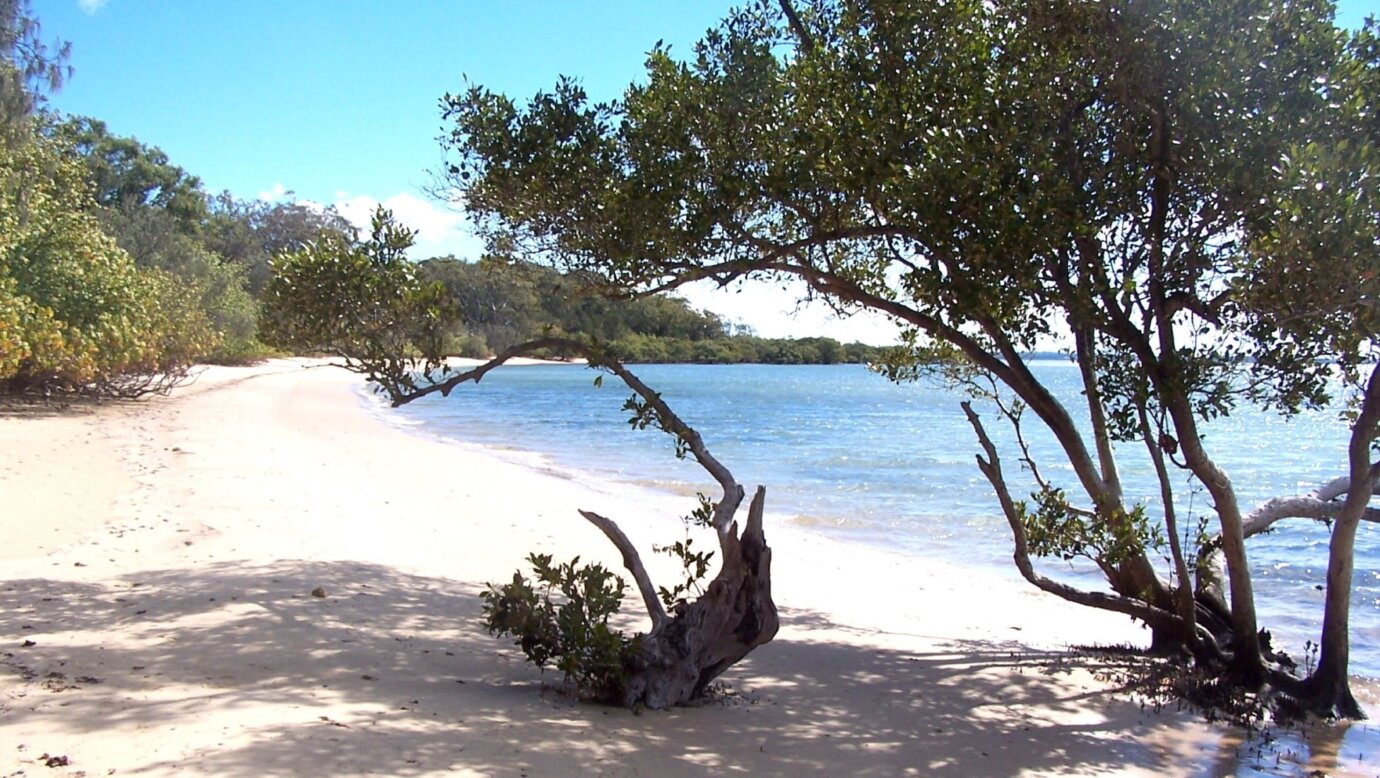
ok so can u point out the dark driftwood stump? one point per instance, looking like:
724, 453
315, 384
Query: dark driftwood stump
681, 656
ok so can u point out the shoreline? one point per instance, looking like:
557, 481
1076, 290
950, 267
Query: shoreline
185, 638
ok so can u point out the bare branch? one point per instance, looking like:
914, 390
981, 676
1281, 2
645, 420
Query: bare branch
633, 563
991, 468
1322, 504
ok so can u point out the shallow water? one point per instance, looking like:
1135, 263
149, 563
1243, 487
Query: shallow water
845, 453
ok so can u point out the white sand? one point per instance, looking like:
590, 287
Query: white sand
160, 557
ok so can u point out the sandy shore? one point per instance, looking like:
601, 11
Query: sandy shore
156, 618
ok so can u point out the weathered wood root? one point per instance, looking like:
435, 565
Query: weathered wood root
677, 660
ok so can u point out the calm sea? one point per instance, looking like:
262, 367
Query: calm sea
846, 453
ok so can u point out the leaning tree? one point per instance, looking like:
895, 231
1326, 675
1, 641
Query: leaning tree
994, 175
365, 303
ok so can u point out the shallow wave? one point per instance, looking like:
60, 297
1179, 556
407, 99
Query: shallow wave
831, 522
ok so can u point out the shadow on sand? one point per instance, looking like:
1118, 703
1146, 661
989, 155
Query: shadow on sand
390, 673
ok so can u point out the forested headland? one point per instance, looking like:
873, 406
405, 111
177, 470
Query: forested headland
501, 304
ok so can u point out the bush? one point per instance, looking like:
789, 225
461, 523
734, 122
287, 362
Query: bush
571, 633
78, 315
363, 300
470, 345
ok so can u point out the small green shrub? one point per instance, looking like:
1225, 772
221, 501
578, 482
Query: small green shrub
694, 565
571, 631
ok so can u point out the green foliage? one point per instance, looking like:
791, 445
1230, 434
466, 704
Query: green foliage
153, 238
250, 233
28, 333
1312, 274
694, 564
159, 215
28, 69
985, 168
126, 173
910, 360
78, 314
1054, 528
361, 300
569, 632
505, 303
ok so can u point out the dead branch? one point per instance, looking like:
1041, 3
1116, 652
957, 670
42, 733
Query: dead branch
632, 561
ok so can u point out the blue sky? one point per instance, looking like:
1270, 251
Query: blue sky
338, 101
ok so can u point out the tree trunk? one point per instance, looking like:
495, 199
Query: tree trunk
1247, 659
678, 659
1327, 691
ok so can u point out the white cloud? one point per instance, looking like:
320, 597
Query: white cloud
277, 192
775, 310
91, 6
440, 230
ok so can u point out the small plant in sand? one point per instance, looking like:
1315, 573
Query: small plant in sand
560, 618
571, 633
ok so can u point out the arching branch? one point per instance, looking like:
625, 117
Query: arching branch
633, 563
1323, 504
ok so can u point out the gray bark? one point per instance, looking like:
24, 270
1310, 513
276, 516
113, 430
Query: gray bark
1328, 690
677, 661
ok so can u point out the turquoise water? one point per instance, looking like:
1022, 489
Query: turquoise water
848, 454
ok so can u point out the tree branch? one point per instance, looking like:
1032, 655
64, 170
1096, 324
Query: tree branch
478, 372
806, 40
724, 509
1322, 504
991, 468
633, 563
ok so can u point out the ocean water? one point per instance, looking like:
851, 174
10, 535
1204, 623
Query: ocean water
846, 453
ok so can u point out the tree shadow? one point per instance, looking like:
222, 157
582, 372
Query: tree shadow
392, 673
22, 406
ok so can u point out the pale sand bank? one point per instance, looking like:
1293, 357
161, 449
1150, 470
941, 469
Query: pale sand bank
174, 631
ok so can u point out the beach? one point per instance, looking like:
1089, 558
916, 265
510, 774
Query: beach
160, 614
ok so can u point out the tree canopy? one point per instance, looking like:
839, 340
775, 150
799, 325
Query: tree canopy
29, 67
76, 314
1130, 178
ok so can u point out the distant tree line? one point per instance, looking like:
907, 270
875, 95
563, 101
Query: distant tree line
503, 304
